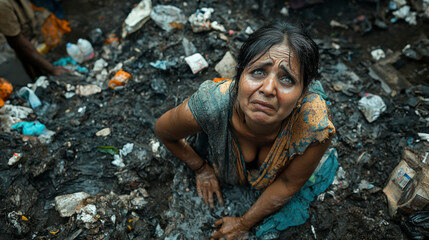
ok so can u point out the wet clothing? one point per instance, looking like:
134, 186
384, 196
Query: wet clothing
307, 124
17, 17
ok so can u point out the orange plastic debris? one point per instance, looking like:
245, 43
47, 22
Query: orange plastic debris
24, 218
53, 28
5, 90
221, 79
111, 39
130, 220
53, 233
129, 227
120, 79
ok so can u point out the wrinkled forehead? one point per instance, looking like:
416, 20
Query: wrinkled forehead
280, 54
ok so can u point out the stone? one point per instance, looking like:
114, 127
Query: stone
66, 204
226, 66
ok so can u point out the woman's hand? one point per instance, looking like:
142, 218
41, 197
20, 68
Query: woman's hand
232, 228
207, 185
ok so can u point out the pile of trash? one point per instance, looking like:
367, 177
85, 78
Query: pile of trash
79, 158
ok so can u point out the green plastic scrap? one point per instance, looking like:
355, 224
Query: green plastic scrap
108, 150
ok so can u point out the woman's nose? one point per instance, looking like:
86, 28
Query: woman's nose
268, 87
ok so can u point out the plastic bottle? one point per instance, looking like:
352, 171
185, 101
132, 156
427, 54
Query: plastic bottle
86, 48
30, 96
74, 52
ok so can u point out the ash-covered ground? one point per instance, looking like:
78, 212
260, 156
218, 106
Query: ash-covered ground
152, 196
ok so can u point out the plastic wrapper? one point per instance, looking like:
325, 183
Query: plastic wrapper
121, 78
196, 62
168, 17
371, 106
200, 20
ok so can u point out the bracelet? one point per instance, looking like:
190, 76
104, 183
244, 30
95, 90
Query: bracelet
200, 168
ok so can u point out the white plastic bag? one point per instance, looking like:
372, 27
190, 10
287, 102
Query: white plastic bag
371, 106
168, 17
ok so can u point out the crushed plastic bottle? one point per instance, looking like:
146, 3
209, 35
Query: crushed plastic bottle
86, 48
30, 96
74, 52
81, 51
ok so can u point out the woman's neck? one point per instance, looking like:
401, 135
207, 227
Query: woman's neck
262, 130
255, 129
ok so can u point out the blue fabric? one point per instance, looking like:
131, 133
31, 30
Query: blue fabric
29, 128
295, 212
71, 64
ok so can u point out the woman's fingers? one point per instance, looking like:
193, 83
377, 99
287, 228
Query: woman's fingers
218, 222
199, 191
206, 195
216, 234
219, 197
211, 202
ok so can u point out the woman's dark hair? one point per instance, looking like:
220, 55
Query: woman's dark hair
266, 37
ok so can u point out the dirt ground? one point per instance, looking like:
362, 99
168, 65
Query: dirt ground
162, 203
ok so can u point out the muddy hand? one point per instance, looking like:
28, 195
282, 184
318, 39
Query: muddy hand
232, 228
58, 71
208, 185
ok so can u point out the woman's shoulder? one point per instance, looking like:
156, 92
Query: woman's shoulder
210, 102
210, 87
211, 94
312, 121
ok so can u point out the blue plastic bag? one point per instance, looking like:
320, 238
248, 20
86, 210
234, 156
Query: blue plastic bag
29, 128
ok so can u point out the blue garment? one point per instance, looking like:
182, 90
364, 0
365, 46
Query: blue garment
29, 128
71, 64
295, 212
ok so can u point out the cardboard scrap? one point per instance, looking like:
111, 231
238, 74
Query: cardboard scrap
408, 188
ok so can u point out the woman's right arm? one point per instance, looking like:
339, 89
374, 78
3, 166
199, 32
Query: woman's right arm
172, 128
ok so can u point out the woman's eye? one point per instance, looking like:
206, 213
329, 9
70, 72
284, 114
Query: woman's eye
258, 73
287, 80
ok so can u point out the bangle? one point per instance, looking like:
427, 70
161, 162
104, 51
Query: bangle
201, 167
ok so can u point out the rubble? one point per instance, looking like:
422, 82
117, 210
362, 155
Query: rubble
66, 204
137, 17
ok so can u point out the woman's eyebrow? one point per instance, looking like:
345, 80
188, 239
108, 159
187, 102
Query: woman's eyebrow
262, 64
285, 69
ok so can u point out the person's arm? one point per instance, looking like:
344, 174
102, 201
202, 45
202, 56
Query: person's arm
172, 128
28, 53
276, 195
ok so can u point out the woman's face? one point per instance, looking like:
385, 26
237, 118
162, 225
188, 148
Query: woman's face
270, 88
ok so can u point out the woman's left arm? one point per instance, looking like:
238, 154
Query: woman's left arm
276, 195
